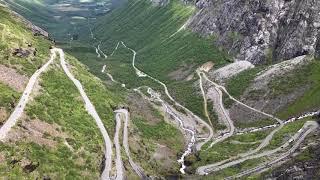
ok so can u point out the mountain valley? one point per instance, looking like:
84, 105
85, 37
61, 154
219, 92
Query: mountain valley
140, 89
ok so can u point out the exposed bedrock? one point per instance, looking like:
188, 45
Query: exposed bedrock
260, 31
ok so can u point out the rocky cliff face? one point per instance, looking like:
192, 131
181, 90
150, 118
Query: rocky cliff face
261, 30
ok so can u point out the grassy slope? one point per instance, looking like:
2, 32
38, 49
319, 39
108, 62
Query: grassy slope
147, 30
60, 105
158, 58
14, 35
151, 136
58, 102
228, 148
104, 99
8, 96
237, 85
42, 15
310, 76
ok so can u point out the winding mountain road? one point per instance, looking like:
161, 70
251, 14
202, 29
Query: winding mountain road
88, 105
142, 74
266, 141
119, 164
92, 111
104, 55
299, 137
239, 102
138, 170
204, 96
216, 95
308, 127
18, 111
263, 144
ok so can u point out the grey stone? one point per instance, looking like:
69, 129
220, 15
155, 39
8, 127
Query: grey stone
261, 30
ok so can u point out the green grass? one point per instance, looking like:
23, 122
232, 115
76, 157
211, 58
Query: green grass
231, 171
288, 83
256, 123
285, 133
309, 77
161, 132
146, 29
42, 14
103, 97
228, 148
15, 35
8, 97
59, 103
238, 84
149, 137
58, 163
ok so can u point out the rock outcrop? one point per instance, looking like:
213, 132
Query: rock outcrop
261, 30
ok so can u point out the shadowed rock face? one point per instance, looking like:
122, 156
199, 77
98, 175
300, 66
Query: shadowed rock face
261, 30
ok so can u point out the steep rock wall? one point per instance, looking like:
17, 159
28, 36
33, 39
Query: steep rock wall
261, 30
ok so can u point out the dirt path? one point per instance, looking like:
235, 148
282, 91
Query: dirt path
204, 96
264, 143
239, 102
215, 95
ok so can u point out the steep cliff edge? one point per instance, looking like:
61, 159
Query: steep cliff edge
260, 31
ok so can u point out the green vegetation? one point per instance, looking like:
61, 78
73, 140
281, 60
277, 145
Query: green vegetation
306, 155
59, 103
54, 163
14, 34
255, 123
229, 148
214, 117
231, 171
309, 77
157, 144
41, 13
238, 84
161, 132
285, 133
290, 82
104, 98
8, 97
147, 29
